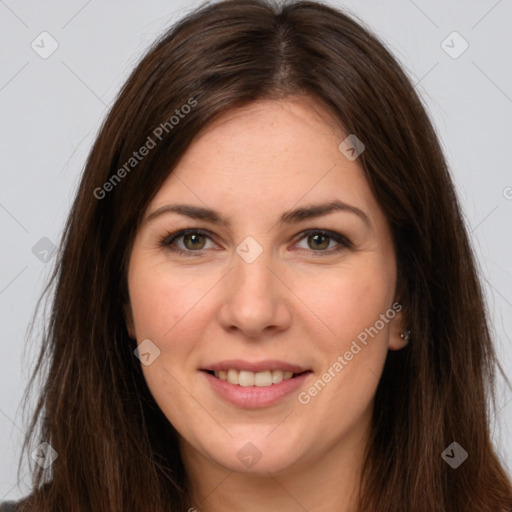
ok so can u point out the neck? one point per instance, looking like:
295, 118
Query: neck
330, 481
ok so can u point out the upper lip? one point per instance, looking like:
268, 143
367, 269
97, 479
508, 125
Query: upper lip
252, 366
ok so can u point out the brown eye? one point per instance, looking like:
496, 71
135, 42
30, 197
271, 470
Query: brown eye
318, 241
194, 241
188, 241
323, 242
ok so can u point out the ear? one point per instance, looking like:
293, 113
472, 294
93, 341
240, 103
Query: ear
128, 318
397, 328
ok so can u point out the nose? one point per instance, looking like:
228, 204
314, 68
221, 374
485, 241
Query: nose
256, 301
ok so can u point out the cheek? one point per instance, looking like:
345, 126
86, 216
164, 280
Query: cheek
346, 301
162, 299
172, 307
167, 309
352, 337
355, 349
154, 305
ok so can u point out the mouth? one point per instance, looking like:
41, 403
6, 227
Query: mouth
248, 389
262, 379
255, 384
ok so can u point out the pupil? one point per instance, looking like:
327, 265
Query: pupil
319, 243
194, 240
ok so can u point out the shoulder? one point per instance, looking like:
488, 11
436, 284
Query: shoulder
25, 503
9, 506
15, 506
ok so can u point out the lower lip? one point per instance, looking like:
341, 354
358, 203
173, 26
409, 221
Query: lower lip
255, 396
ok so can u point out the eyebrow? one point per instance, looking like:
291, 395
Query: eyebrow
290, 217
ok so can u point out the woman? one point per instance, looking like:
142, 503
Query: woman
266, 298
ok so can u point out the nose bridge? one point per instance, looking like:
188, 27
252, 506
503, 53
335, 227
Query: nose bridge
251, 262
254, 277
255, 299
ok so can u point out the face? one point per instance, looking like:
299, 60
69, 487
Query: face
238, 272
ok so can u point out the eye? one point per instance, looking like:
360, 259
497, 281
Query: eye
190, 241
322, 241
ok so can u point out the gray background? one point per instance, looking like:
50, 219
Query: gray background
52, 108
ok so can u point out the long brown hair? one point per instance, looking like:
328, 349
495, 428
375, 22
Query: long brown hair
116, 450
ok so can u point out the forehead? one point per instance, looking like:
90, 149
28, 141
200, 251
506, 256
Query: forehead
269, 133
268, 157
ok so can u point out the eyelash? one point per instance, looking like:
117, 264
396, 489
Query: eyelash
167, 241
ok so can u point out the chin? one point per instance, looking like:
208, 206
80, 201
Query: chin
255, 453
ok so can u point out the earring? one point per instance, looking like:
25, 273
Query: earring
406, 336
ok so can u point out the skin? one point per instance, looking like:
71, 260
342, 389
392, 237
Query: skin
293, 303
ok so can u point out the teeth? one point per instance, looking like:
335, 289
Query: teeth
246, 379
259, 379
262, 379
277, 376
232, 376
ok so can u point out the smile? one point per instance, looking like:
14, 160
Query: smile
254, 385
260, 379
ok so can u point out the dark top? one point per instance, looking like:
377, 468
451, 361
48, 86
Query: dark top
12, 506
8, 506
